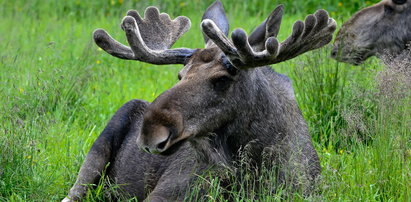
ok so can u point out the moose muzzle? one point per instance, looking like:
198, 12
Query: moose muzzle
162, 125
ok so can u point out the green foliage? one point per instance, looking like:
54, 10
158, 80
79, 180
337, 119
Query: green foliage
80, 9
59, 90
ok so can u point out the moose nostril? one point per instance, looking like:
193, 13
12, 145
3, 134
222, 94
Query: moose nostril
334, 53
172, 131
162, 145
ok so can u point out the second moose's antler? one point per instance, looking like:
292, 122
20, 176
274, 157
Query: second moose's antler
315, 32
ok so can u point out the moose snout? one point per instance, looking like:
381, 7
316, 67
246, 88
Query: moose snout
158, 142
162, 123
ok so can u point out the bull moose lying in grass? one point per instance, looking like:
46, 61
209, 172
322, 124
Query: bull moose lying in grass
227, 98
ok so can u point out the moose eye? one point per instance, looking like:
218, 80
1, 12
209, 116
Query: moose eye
227, 64
221, 83
399, 2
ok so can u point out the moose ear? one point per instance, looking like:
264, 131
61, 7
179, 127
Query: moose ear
269, 28
216, 13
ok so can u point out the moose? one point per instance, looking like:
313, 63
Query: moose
227, 98
381, 29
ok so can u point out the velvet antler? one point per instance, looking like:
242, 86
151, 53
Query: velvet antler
149, 38
314, 33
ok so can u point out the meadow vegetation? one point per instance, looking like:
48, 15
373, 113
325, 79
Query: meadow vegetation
58, 91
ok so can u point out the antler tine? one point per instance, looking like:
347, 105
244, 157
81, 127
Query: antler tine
111, 46
317, 32
314, 33
218, 37
149, 38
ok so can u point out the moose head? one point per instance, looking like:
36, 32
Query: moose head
382, 28
220, 85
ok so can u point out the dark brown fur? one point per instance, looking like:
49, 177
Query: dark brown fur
205, 120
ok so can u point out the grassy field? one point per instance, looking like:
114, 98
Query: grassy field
58, 90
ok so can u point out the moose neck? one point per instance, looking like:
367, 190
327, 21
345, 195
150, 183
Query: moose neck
259, 120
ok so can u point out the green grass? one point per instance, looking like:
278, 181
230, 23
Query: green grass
58, 90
